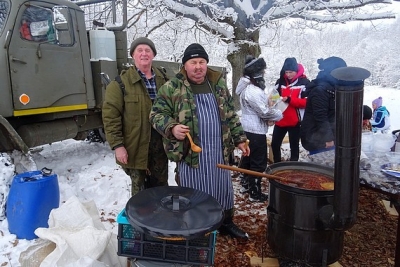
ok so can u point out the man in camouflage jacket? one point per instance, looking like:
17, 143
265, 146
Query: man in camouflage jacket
198, 97
175, 105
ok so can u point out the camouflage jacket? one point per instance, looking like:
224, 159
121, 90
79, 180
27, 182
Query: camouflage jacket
175, 104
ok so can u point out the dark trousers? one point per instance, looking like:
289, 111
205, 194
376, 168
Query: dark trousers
257, 161
157, 161
157, 172
277, 137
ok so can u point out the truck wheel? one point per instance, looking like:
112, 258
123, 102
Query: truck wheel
96, 135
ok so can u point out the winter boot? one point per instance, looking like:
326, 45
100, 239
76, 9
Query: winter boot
244, 184
228, 227
255, 194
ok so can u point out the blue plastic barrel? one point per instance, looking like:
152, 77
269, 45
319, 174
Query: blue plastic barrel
32, 196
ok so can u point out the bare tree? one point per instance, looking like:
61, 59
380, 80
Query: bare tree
238, 22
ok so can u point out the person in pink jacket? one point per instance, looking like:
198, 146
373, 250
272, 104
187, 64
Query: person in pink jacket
290, 85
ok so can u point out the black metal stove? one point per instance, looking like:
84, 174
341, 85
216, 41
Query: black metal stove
308, 226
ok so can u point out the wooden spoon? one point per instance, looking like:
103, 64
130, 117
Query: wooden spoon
326, 186
193, 146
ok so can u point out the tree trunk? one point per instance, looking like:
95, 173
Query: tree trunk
247, 44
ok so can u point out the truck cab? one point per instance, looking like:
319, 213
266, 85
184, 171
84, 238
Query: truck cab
55, 68
47, 91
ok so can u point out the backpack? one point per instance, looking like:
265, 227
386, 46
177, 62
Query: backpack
121, 84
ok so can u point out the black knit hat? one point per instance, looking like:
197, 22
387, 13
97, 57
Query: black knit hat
193, 51
290, 64
254, 67
142, 40
326, 66
331, 63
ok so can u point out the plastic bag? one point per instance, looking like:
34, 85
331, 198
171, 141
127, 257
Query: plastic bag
274, 97
281, 105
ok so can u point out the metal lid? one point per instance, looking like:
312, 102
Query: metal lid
174, 212
350, 74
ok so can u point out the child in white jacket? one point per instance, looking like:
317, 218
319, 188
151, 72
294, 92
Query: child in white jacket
381, 116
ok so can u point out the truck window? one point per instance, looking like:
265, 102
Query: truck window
62, 25
4, 11
37, 25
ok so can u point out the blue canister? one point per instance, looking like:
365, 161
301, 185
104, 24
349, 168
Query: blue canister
32, 196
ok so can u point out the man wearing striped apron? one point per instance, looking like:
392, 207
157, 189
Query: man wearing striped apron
197, 101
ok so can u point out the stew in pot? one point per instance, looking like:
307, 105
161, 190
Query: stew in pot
305, 179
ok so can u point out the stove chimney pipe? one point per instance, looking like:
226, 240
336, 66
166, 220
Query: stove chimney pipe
348, 107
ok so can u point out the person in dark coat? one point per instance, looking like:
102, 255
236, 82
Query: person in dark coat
317, 130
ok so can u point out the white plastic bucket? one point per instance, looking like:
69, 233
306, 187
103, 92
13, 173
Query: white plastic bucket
383, 143
102, 45
367, 141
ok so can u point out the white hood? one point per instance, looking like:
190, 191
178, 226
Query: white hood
242, 84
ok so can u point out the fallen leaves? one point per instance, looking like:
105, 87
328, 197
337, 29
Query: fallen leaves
370, 242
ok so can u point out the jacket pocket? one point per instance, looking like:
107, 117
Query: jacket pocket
132, 110
176, 150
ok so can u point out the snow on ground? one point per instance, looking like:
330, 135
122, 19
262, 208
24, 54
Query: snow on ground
88, 171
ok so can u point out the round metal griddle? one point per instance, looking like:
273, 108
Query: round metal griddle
174, 212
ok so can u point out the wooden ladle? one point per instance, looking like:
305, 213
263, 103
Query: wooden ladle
326, 185
193, 146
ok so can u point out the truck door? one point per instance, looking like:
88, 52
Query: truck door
46, 75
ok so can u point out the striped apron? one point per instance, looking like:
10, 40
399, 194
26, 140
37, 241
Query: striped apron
208, 177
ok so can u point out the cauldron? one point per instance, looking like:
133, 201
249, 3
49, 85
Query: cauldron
298, 219
308, 226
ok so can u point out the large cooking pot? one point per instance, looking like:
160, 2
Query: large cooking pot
298, 219
174, 212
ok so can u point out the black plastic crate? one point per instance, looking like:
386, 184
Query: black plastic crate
134, 244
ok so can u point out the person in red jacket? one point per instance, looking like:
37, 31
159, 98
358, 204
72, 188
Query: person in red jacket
290, 85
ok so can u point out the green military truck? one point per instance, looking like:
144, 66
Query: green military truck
52, 63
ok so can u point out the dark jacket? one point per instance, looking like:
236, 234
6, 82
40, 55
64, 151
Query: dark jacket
126, 118
318, 125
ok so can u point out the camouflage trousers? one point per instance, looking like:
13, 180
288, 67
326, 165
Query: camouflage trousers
157, 167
